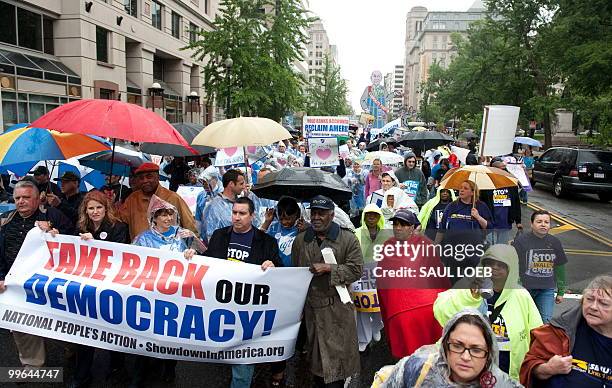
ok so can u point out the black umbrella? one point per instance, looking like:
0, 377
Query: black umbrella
469, 135
425, 140
188, 131
302, 183
375, 145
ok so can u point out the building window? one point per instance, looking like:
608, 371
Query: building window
30, 29
158, 69
8, 27
48, 35
156, 15
107, 94
131, 7
176, 25
193, 33
206, 6
101, 44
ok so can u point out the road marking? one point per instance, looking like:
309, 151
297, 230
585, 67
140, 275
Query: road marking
588, 253
595, 236
562, 228
572, 296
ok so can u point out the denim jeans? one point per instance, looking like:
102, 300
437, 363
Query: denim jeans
499, 236
242, 376
545, 302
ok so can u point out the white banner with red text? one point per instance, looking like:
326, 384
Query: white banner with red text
153, 302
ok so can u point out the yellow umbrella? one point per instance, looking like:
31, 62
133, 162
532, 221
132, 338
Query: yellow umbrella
241, 132
485, 178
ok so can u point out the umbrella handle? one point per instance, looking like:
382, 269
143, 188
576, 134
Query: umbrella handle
110, 173
246, 165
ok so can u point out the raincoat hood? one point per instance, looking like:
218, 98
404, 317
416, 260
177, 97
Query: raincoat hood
427, 209
492, 357
507, 255
156, 204
407, 156
372, 208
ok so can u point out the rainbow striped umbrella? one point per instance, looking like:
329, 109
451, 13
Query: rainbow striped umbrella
22, 143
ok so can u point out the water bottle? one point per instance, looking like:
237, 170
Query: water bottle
486, 288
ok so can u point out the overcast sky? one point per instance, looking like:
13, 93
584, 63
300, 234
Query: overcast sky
370, 34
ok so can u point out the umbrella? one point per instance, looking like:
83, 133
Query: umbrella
375, 145
189, 131
485, 178
302, 183
122, 161
384, 156
23, 143
425, 140
469, 135
113, 119
528, 141
241, 132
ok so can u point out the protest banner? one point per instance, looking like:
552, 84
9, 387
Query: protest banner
190, 195
229, 156
325, 126
256, 153
498, 129
363, 291
323, 151
391, 126
152, 302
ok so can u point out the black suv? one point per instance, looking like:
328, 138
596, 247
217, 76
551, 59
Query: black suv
576, 170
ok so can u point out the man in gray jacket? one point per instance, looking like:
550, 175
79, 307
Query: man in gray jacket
330, 323
412, 180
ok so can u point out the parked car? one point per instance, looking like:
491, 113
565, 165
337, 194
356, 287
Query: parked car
575, 170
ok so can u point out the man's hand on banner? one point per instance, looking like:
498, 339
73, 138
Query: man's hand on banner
189, 253
320, 268
86, 236
2, 286
45, 226
267, 264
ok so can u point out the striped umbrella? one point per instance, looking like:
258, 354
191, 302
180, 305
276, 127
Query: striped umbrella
485, 178
22, 143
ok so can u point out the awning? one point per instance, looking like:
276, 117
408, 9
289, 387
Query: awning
35, 66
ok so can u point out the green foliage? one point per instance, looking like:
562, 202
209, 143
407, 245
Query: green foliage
518, 53
327, 95
263, 48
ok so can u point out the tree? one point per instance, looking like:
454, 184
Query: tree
263, 48
327, 95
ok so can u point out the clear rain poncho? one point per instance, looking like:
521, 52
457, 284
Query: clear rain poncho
176, 239
428, 366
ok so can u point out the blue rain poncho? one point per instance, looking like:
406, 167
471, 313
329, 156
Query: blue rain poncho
217, 214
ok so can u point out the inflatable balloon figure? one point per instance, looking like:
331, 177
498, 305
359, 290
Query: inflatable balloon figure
375, 100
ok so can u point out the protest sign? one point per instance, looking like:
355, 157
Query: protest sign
256, 153
344, 151
461, 153
376, 199
229, 156
518, 171
190, 195
152, 302
498, 129
391, 126
323, 151
363, 291
325, 126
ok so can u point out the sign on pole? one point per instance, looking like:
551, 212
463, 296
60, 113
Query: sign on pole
229, 156
323, 151
325, 126
498, 129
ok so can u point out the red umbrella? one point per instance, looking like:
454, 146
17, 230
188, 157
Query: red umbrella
111, 118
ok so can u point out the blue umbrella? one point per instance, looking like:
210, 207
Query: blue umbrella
122, 162
528, 141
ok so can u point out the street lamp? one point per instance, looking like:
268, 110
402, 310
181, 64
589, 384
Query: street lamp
228, 63
156, 90
193, 97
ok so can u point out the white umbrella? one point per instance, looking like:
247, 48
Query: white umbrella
241, 132
384, 156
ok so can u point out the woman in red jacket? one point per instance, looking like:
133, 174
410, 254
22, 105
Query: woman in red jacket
406, 287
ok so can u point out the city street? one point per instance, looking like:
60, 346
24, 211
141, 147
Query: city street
581, 228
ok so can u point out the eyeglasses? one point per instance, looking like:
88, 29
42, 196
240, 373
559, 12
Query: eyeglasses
474, 352
410, 161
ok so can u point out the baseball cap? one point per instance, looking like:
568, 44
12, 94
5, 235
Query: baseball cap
40, 170
147, 167
69, 176
322, 202
406, 216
